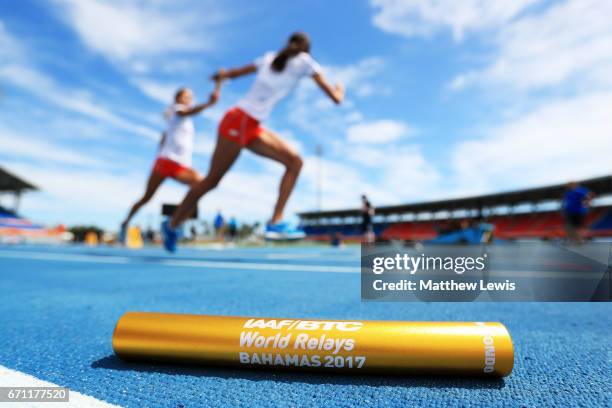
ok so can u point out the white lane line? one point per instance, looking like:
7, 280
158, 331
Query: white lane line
13, 378
509, 274
549, 274
270, 267
180, 262
261, 266
46, 256
311, 256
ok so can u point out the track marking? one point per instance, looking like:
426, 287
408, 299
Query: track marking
47, 256
13, 378
282, 256
255, 266
261, 266
178, 262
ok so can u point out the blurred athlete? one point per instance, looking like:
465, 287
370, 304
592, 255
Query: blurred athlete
367, 222
175, 148
277, 73
576, 202
219, 223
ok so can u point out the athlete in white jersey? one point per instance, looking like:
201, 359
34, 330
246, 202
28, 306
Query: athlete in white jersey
276, 75
175, 148
271, 86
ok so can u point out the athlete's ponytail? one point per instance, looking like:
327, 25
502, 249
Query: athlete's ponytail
298, 42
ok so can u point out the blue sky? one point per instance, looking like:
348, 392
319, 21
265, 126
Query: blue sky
443, 98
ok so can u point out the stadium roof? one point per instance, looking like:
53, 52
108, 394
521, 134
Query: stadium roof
599, 186
12, 183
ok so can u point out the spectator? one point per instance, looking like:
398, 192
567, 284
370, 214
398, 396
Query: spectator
367, 222
232, 228
336, 240
576, 202
219, 223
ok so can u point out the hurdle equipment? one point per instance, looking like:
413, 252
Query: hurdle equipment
91, 238
382, 347
134, 238
168, 209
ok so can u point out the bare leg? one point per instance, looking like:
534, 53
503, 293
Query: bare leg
155, 180
272, 146
189, 177
226, 153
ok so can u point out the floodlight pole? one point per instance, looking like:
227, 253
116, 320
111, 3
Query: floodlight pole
319, 153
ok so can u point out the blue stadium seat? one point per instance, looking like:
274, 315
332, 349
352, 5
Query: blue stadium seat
604, 223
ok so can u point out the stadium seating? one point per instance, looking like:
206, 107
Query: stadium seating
419, 230
602, 225
4, 213
10, 222
543, 225
348, 232
547, 225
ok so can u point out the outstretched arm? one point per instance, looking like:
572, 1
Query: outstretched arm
214, 97
232, 73
335, 93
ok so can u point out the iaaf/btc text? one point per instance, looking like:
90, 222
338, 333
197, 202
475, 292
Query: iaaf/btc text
412, 264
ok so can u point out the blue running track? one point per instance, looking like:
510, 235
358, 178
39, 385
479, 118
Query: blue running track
60, 304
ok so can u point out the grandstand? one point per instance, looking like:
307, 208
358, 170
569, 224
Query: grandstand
15, 186
12, 225
528, 213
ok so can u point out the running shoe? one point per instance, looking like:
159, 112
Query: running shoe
283, 230
169, 236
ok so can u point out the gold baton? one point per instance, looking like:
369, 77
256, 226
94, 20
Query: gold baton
383, 347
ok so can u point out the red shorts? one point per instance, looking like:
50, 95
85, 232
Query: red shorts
168, 168
239, 127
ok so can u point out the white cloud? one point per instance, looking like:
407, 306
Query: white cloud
101, 191
160, 92
569, 43
341, 185
313, 112
357, 78
408, 176
459, 82
88, 196
9, 48
549, 68
376, 161
426, 17
133, 31
204, 144
378, 131
147, 39
388, 174
94, 196
564, 139
75, 100
17, 146
563, 49
17, 71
